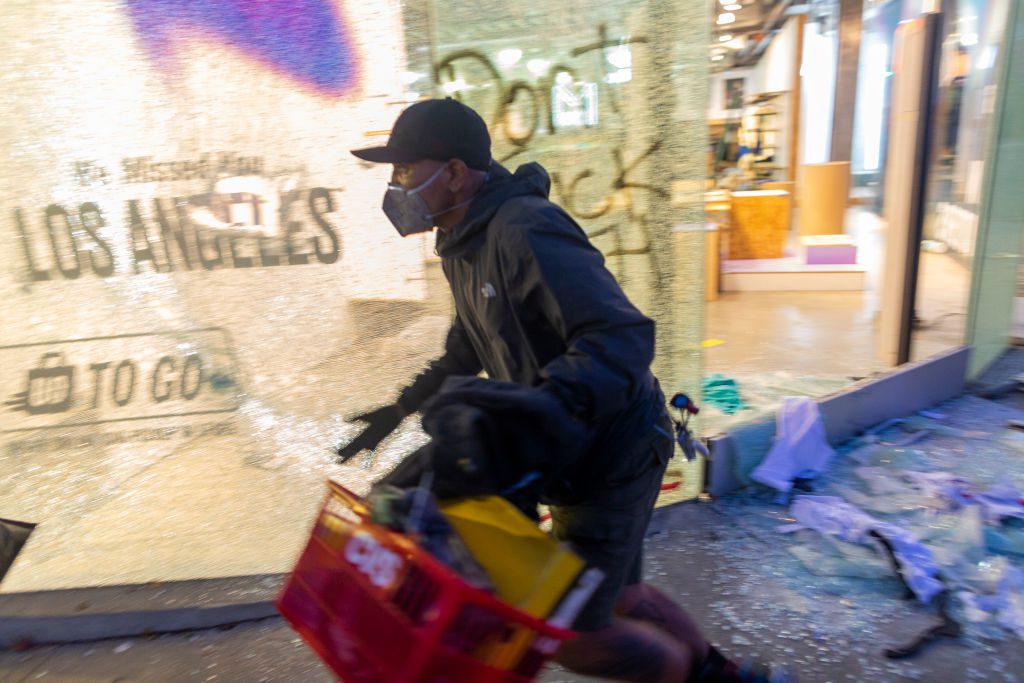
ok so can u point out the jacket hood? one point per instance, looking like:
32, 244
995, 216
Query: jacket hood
529, 179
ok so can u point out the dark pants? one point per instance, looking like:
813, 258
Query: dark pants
607, 529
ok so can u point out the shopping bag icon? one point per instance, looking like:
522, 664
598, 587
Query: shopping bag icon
50, 387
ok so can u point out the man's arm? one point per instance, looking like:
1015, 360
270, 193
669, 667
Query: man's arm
610, 343
459, 358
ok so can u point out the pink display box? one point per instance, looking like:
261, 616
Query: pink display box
830, 250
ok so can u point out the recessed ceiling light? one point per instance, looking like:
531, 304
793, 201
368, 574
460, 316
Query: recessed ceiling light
725, 39
509, 56
537, 66
717, 58
733, 7
619, 57
452, 87
726, 18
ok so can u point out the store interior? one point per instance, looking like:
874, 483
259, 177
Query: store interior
800, 112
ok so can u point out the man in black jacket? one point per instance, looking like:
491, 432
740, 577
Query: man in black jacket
537, 309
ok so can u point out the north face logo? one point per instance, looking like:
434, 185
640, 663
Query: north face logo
488, 291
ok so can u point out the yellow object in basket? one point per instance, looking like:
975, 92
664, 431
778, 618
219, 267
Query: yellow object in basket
530, 570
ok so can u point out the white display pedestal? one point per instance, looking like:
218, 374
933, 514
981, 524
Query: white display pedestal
790, 274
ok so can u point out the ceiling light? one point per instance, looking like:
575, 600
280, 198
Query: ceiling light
538, 67
717, 58
727, 2
619, 76
452, 87
509, 56
726, 18
725, 39
620, 56
733, 7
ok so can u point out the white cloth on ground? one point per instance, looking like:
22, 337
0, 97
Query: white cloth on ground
834, 516
800, 447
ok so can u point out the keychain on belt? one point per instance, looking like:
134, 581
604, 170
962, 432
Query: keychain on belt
690, 444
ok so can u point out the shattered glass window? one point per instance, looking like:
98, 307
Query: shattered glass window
199, 283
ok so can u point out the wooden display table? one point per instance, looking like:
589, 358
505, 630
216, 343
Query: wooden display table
759, 224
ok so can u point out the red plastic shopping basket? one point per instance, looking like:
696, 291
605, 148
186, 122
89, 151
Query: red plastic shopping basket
379, 609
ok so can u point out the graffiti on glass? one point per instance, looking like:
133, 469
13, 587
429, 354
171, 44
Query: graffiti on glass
613, 191
537, 96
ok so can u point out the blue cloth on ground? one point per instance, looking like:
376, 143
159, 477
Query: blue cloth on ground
723, 393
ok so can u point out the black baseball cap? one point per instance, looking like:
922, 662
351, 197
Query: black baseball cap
435, 129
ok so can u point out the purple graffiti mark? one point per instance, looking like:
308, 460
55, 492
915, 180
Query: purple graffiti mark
306, 40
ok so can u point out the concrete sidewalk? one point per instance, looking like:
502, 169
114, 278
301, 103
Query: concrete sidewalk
728, 568
724, 561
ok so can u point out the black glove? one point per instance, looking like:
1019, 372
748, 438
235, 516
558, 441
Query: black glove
380, 423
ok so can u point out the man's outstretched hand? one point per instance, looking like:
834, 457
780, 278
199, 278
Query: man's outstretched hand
379, 423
